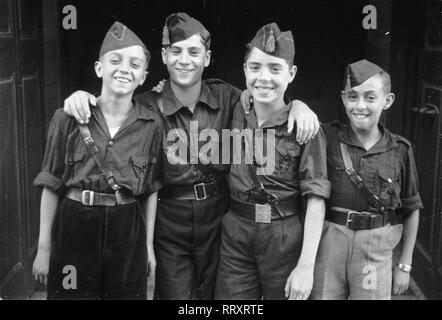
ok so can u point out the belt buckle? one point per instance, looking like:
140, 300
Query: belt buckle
263, 213
195, 189
350, 218
87, 198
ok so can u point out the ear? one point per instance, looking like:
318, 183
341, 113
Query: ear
164, 55
343, 96
143, 78
293, 70
389, 99
98, 69
207, 57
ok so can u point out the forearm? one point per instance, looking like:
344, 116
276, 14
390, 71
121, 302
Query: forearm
151, 212
314, 221
48, 210
411, 225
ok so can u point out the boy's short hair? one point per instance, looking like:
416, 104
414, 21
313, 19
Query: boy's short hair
386, 80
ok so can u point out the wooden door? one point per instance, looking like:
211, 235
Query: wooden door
21, 143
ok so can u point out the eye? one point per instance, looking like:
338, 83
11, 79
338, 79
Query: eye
371, 98
136, 65
253, 67
194, 53
115, 61
275, 69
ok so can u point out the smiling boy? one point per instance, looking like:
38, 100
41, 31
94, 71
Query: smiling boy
94, 187
266, 253
374, 199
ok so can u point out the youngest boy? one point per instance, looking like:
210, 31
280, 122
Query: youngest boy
374, 199
95, 180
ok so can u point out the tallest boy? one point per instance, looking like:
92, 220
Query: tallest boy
194, 197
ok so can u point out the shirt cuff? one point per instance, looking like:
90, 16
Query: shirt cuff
412, 203
51, 182
316, 187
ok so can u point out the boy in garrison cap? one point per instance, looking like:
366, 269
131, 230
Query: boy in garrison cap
195, 196
374, 199
266, 253
95, 179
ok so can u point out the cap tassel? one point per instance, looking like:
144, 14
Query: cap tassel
270, 43
166, 39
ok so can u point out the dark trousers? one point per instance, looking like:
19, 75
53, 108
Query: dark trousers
98, 253
257, 259
187, 242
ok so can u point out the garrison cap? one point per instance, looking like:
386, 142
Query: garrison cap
359, 72
272, 41
120, 37
180, 26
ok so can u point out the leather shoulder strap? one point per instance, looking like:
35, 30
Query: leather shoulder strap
359, 183
95, 153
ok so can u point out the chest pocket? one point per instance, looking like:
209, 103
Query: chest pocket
387, 185
139, 167
288, 155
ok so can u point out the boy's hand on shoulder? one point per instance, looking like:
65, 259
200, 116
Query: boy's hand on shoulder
401, 281
307, 123
77, 106
299, 284
40, 268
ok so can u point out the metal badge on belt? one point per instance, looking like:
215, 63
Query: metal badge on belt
263, 213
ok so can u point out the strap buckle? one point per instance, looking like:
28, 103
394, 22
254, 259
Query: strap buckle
87, 198
263, 213
350, 218
200, 187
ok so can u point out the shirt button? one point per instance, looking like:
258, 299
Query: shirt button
259, 133
111, 143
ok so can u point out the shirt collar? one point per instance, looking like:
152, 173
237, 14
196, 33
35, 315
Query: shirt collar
385, 143
278, 118
173, 105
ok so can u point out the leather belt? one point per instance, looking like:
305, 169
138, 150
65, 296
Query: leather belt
91, 198
264, 213
362, 220
199, 192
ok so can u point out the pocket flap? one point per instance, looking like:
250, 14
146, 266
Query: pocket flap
386, 174
140, 161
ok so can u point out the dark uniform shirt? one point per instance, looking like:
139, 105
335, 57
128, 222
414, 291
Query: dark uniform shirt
131, 155
388, 169
212, 111
299, 170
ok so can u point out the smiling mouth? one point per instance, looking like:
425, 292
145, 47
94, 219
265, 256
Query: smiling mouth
184, 70
360, 116
122, 80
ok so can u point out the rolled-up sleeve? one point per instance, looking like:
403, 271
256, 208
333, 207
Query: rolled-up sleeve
313, 168
410, 196
53, 168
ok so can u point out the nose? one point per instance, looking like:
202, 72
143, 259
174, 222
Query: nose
184, 58
124, 66
264, 74
361, 104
